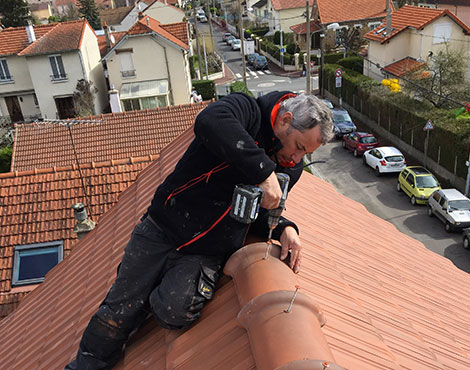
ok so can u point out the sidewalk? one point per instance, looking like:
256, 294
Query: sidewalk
229, 77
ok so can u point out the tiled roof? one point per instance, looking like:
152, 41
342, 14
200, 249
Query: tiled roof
411, 17
148, 24
260, 3
65, 36
345, 10
389, 303
403, 66
289, 4
102, 41
35, 208
114, 16
15, 39
179, 30
118, 136
301, 28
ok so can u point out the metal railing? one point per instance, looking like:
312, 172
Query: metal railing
59, 77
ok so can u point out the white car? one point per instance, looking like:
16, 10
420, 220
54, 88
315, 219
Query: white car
384, 159
236, 44
451, 207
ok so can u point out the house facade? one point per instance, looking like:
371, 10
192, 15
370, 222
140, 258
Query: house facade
417, 33
40, 68
149, 66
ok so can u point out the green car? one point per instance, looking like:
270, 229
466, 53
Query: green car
418, 183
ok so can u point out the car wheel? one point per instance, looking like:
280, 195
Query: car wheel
343, 144
430, 214
398, 186
377, 172
413, 200
466, 244
355, 153
448, 227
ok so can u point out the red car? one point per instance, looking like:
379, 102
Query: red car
359, 142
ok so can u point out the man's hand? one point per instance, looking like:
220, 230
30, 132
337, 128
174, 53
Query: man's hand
272, 192
290, 241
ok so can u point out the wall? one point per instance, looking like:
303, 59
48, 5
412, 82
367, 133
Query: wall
40, 71
164, 13
461, 11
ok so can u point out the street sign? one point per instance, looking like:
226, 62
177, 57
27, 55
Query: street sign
338, 73
338, 81
283, 50
429, 126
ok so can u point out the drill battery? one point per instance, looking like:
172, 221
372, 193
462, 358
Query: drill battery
245, 203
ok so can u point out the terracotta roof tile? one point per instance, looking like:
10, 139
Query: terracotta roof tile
414, 17
403, 66
102, 41
120, 135
65, 36
344, 10
389, 302
149, 25
289, 4
114, 16
35, 207
301, 28
179, 30
15, 39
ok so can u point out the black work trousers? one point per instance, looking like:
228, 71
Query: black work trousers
152, 278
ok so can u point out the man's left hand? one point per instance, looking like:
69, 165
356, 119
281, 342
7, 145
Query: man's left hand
290, 242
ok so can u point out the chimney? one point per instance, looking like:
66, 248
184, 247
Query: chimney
148, 22
30, 33
84, 225
140, 15
114, 101
388, 30
106, 35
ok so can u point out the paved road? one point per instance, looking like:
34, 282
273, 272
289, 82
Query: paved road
379, 195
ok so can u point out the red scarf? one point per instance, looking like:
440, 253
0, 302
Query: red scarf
274, 113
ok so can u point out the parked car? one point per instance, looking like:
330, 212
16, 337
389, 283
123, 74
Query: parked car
236, 44
251, 58
203, 19
451, 207
359, 142
342, 123
224, 37
260, 62
230, 39
466, 238
418, 183
384, 159
328, 103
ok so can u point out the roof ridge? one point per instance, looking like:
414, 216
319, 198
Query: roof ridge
74, 167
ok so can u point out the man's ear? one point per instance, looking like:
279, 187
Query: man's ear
286, 118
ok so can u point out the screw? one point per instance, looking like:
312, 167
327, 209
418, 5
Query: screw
325, 364
268, 248
292, 300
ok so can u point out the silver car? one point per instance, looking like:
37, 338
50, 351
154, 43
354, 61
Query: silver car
384, 159
451, 207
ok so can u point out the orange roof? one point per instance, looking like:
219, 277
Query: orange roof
411, 17
35, 208
289, 4
15, 39
345, 10
102, 41
389, 302
118, 136
65, 36
403, 66
301, 28
149, 25
179, 30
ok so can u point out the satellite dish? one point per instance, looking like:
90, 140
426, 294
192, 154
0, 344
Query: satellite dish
113, 40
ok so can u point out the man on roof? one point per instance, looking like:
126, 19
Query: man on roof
173, 259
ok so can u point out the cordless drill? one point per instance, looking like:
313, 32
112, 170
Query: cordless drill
246, 201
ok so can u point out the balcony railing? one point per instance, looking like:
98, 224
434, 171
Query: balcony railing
129, 73
59, 77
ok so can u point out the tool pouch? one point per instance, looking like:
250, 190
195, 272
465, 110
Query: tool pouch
207, 280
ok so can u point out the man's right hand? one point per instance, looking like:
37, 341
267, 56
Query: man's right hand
272, 192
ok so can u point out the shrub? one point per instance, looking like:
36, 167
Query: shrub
193, 60
5, 159
277, 38
292, 48
239, 86
206, 88
353, 63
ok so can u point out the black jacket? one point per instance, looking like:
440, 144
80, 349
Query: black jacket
232, 144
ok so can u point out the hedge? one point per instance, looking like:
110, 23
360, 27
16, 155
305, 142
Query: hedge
405, 117
206, 88
5, 159
239, 86
192, 61
353, 63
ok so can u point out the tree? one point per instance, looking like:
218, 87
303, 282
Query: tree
83, 98
15, 13
89, 10
401, 3
442, 80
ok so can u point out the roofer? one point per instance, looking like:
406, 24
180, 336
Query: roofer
173, 259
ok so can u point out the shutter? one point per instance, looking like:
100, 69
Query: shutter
61, 66
442, 33
126, 62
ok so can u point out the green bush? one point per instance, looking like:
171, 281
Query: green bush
277, 38
292, 48
193, 60
353, 63
259, 31
333, 58
5, 159
289, 59
239, 86
206, 88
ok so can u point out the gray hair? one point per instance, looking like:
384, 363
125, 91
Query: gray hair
308, 111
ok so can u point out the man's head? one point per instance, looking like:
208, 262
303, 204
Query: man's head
302, 125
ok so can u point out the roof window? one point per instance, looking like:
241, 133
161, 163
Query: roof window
33, 261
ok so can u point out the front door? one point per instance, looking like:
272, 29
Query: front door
14, 108
65, 108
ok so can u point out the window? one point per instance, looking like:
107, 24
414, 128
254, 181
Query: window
127, 64
4, 71
144, 95
442, 33
373, 25
410, 180
58, 71
33, 261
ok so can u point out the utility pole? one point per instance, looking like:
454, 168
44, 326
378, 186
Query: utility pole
205, 56
282, 53
307, 88
208, 8
242, 39
197, 41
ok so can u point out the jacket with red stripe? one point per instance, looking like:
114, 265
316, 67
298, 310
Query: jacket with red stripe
233, 143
